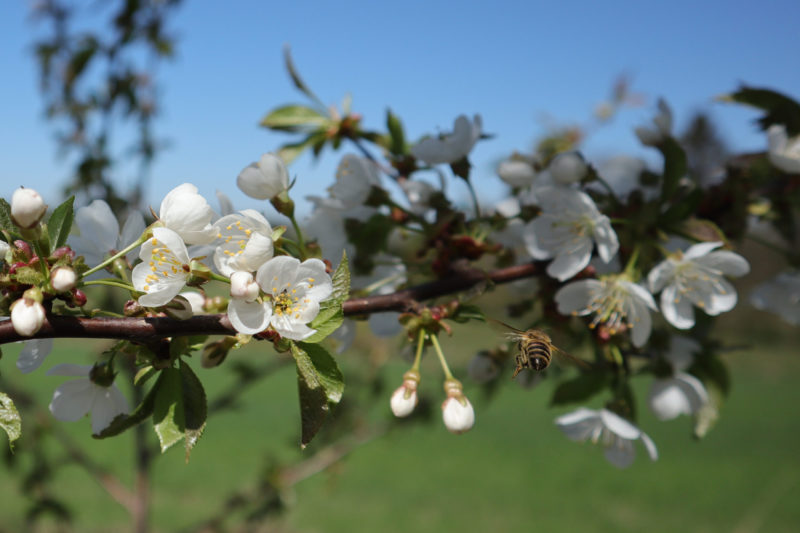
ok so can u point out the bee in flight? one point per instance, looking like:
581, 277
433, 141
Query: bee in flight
535, 348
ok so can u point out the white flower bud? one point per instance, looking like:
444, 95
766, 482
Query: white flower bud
63, 279
243, 286
567, 167
264, 180
27, 207
404, 399
196, 301
457, 412
27, 316
516, 173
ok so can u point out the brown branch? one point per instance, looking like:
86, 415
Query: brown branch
139, 329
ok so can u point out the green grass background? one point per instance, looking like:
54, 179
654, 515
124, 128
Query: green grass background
513, 472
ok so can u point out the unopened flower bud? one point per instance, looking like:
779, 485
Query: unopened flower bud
27, 207
404, 399
63, 279
78, 297
457, 412
243, 286
265, 179
214, 353
179, 308
27, 316
567, 167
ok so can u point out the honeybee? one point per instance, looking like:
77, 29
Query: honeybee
535, 349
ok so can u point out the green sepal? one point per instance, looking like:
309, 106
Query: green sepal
10, 420
578, 389
143, 375
330, 315
28, 276
320, 387
60, 223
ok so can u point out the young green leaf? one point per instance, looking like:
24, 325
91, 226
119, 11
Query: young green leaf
195, 407
780, 109
5, 217
60, 223
142, 412
10, 420
330, 315
397, 144
320, 386
295, 118
168, 415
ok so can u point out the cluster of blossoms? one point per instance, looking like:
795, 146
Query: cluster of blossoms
619, 275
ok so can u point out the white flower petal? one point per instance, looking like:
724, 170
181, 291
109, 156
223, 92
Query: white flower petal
249, 317
571, 261
677, 310
290, 329
620, 453
661, 275
68, 369
729, 263
619, 425
576, 296
33, 354
108, 403
72, 400
700, 249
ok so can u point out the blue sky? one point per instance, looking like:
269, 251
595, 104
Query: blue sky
512, 62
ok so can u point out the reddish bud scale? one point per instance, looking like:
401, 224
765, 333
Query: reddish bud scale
58, 253
24, 247
78, 297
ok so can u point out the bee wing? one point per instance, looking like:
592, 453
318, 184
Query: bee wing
571, 358
510, 331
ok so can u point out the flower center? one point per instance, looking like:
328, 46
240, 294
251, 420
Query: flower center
164, 265
234, 238
608, 304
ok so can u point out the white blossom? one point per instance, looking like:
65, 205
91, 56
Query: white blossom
614, 300
244, 242
567, 168
355, 178
265, 179
566, 230
74, 399
243, 286
27, 207
33, 354
780, 295
696, 277
188, 214
293, 293
196, 301
27, 316
450, 147
419, 194
661, 129
681, 393
616, 434
784, 152
63, 279
99, 232
164, 268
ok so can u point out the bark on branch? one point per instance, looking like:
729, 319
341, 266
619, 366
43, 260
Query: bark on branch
139, 329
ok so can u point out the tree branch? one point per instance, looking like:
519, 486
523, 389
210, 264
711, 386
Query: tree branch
138, 329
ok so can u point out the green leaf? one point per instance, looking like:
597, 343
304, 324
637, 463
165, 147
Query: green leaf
181, 408
330, 315
142, 412
467, 312
578, 389
195, 407
295, 118
144, 374
5, 216
702, 230
397, 143
10, 420
320, 386
675, 167
28, 276
168, 419
296, 79
780, 109
60, 223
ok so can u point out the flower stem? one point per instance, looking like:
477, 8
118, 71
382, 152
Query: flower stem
631, 266
111, 282
474, 197
218, 277
132, 246
442, 360
420, 345
300, 240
